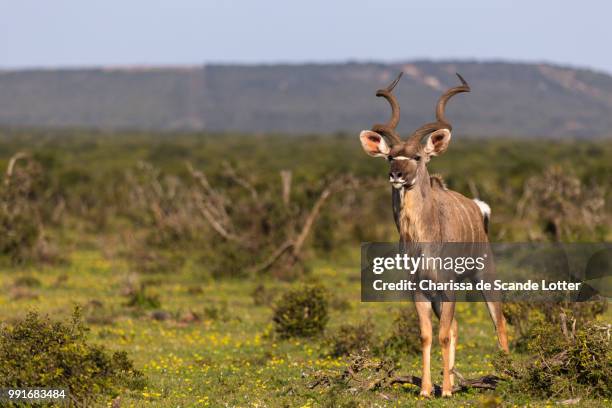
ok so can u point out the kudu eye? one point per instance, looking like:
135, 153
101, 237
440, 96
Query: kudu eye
390, 158
417, 158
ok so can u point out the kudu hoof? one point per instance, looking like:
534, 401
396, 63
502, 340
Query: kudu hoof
425, 393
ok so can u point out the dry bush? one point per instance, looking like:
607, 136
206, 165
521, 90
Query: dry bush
239, 227
566, 208
163, 204
365, 373
566, 361
25, 204
349, 339
268, 226
30, 203
526, 318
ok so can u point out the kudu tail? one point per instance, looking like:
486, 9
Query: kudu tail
486, 213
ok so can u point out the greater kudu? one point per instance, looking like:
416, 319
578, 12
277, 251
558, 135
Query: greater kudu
425, 211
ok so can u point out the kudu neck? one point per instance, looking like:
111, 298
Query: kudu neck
417, 209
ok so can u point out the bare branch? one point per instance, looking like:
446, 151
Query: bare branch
296, 245
241, 181
216, 225
368, 374
11, 165
342, 183
214, 201
286, 185
272, 258
563, 318
473, 189
310, 219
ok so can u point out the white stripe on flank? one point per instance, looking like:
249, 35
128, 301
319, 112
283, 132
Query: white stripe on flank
461, 211
467, 214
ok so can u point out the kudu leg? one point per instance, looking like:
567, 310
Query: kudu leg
424, 311
497, 315
445, 336
454, 337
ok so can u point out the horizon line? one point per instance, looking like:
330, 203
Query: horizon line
135, 67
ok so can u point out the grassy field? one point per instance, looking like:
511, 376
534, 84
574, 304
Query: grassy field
201, 330
229, 355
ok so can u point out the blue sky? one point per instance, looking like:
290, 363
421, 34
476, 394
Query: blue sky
59, 33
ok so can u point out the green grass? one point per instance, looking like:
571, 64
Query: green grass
233, 358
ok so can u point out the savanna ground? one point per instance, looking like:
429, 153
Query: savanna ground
131, 246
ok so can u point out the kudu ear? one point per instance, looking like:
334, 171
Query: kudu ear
374, 144
437, 142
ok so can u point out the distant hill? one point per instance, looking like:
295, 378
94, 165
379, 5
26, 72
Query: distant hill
506, 98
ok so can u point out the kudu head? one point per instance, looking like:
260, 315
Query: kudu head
407, 157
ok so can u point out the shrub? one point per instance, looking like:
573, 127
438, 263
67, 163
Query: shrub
264, 296
339, 303
405, 337
96, 313
351, 339
324, 236
35, 352
565, 363
27, 281
227, 260
19, 232
568, 208
24, 203
148, 260
218, 311
141, 298
302, 312
526, 318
